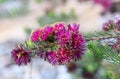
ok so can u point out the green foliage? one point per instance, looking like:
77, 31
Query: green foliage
109, 74
90, 62
72, 13
88, 67
96, 48
104, 52
51, 18
27, 31
29, 44
14, 12
3, 1
37, 1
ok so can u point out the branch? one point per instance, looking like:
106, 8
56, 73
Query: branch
102, 35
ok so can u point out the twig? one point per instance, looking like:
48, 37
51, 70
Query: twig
102, 37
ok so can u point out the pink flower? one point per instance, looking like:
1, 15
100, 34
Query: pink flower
117, 22
61, 45
77, 41
46, 32
77, 45
20, 56
73, 27
105, 3
51, 58
108, 25
58, 27
41, 55
42, 34
112, 24
35, 36
63, 37
116, 45
63, 56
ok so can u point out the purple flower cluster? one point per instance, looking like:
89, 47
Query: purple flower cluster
68, 43
112, 24
117, 22
58, 44
20, 56
108, 25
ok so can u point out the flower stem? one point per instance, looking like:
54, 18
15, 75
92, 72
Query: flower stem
102, 38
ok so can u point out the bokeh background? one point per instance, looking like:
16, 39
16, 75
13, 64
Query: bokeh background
19, 17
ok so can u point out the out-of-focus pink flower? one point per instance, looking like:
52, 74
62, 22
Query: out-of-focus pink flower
105, 3
116, 46
117, 22
112, 24
108, 25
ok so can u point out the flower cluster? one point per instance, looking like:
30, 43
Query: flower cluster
117, 22
108, 25
58, 44
112, 24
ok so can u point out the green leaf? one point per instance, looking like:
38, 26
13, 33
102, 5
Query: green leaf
27, 30
51, 18
29, 44
103, 52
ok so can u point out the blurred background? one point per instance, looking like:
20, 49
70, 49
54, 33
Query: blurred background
19, 17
